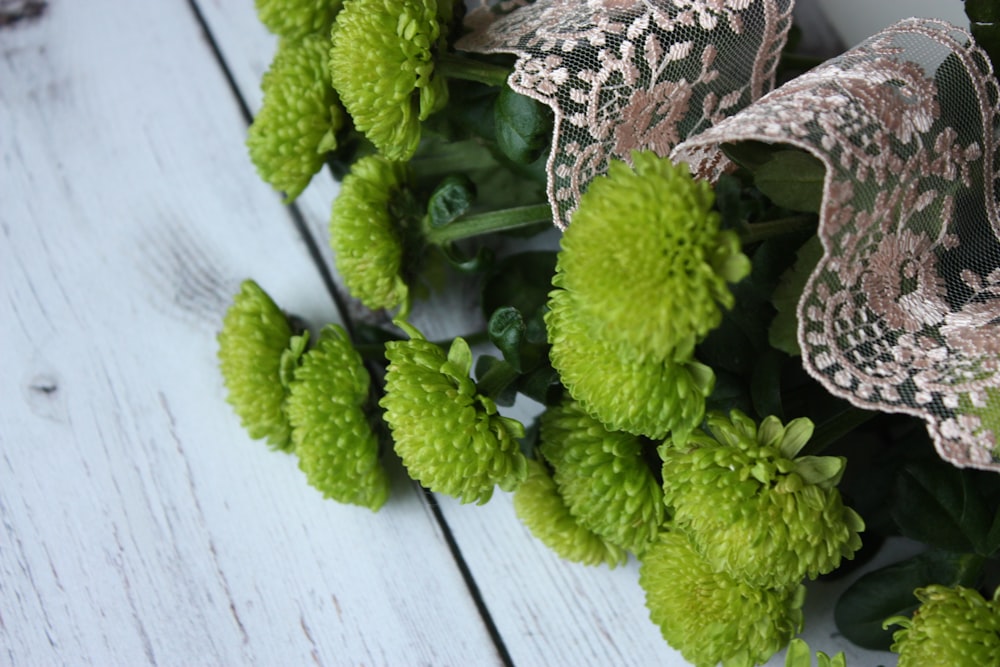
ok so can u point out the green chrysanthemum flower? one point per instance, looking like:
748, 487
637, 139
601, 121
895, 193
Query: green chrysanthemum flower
382, 65
255, 345
602, 477
367, 235
450, 437
709, 616
333, 438
751, 507
645, 259
541, 508
297, 18
299, 118
640, 396
953, 626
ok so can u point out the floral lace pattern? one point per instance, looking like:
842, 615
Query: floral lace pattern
902, 314
622, 75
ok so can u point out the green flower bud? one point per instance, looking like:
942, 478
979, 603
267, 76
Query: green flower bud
602, 477
708, 615
337, 449
541, 508
645, 259
450, 437
752, 508
297, 18
367, 235
299, 118
253, 342
382, 65
953, 626
642, 396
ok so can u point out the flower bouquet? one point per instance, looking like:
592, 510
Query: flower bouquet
755, 304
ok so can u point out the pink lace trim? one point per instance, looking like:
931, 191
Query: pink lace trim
622, 75
902, 312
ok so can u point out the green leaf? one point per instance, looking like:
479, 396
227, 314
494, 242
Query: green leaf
523, 126
765, 384
507, 330
798, 654
750, 155
497, 379
451, 200
888, 592
936, 503
541, 385
783, 332
522, 280
792, 179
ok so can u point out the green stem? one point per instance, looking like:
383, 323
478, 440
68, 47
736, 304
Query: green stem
451, 158
761, 231
376, 351
486, 223
836, 427
496, 379
467, 69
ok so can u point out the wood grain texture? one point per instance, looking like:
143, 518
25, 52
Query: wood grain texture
138, 524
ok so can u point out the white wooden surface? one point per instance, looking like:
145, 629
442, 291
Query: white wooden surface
138, 523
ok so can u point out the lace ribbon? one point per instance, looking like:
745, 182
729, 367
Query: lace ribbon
901, 314
622, 75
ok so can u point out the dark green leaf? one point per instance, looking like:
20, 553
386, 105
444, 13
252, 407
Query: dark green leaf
450, 200
541, 385
792, 179
730, 393
749, 154
783, 332
765, 384
878, 595
496, 378
481, 261
507, 329
936, 503
523, 281
523, 126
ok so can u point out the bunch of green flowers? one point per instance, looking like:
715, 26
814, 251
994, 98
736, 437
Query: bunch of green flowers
635, 293
630, 336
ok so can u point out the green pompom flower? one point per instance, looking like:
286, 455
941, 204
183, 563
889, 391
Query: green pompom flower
640, 396
297, 18
751, 507
367, 232
337, 449
299, 118
602, 477
382, 65
541, 508
255, 345
645, 259
451, 438
708, 615
953, 626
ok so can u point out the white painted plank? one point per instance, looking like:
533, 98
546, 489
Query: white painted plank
138, 524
